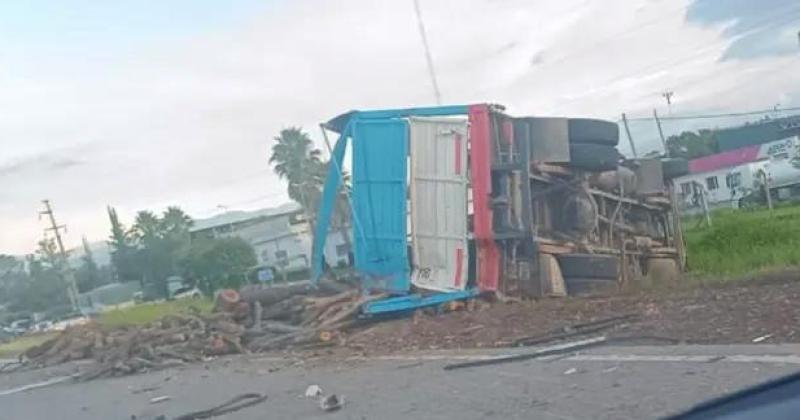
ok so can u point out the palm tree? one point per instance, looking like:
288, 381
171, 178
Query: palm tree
175, 221
146, 227
122, 250
295, 160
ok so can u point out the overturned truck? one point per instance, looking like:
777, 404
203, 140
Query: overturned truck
454, 201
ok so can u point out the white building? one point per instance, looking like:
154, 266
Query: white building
281, 237
726, 177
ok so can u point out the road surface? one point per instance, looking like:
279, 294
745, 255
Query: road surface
635, 382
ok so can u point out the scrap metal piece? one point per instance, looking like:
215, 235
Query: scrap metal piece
332, 402
549, 351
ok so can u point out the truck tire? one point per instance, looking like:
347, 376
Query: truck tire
674, 167
578, 286
593, 157
591, 131
598, 266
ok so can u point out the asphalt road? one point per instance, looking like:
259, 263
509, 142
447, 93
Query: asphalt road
603, 383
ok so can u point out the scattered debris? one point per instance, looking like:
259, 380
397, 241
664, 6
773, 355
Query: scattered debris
331, 402
163, 398
171, 341
313, 391
769, 304
549, 351
410, 365
234, 404
575, 330
145, 389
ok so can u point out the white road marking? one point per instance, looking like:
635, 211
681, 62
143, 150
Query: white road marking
639, 358
736, 358
29, 387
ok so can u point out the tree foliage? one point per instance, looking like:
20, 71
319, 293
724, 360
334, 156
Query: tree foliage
33, 284
161, 244
219, 263
296, 160
155, 248
123, 252
691, 145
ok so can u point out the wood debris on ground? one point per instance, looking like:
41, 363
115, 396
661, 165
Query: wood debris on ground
257, 319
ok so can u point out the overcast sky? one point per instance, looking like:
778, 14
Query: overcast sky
143, 104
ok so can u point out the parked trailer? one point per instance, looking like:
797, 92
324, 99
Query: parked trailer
448, 202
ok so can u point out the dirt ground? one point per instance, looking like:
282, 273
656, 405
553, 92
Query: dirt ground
766, 309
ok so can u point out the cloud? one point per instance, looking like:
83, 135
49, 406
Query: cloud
757, 28
189, 120
40, 165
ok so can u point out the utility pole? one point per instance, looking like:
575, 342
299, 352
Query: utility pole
628, 131
661, 132
66, 273
668, 96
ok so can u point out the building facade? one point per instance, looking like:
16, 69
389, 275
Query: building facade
281, 238
726, 177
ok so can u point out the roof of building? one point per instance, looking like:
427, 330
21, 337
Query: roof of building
724, 159
763, 131
238, 216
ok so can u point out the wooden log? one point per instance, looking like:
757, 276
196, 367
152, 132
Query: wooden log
258, 311
280, 327
227, 300
271, 295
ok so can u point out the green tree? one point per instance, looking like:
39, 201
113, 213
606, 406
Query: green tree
691, 145
12, 270
48, 254
175, 222
215, 263
123, 253
147, 228
296, 160
41, 288
161, 243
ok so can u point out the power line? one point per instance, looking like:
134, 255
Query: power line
428, 58
712, 116
227, 206
790, 13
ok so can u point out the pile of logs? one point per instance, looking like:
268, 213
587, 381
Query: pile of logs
253, 319
302, 320
172, 340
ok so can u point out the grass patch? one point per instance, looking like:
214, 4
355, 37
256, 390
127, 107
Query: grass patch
152, 311
15, 347
742, 242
